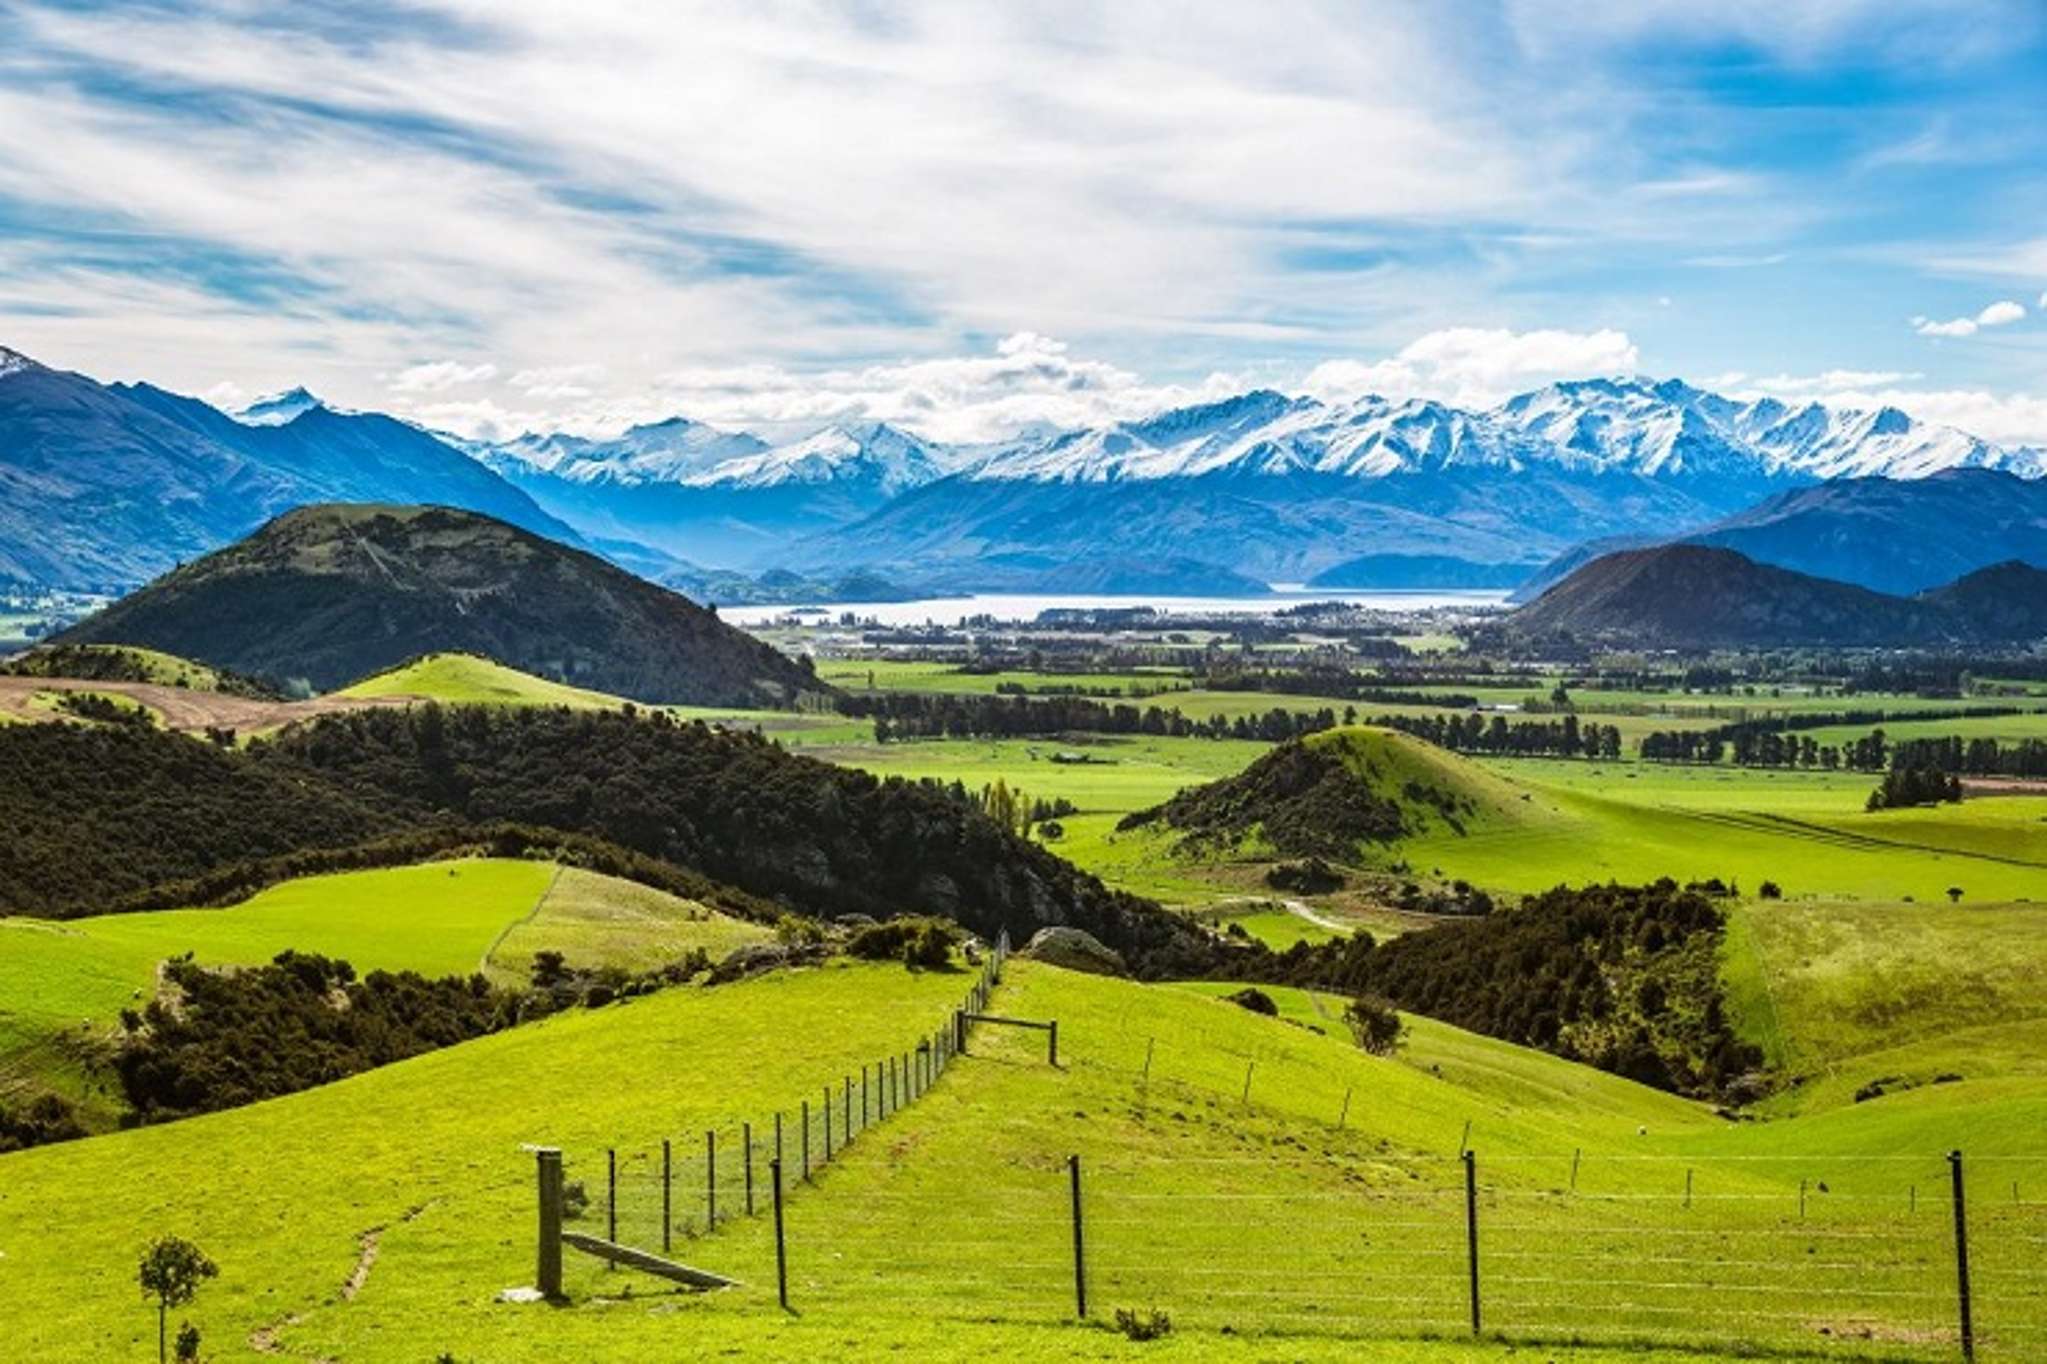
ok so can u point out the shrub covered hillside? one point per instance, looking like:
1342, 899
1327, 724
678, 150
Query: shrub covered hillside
327, 594
1329, 795
96, 815
1624, 978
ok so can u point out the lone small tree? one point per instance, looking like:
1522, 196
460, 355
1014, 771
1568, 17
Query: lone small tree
1375, 1025
171, 1272
1954, 894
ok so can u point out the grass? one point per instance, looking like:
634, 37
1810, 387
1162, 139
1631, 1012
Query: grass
160, 668
1840, 993
472, 678
1325, 1207
64, 984
1547, 821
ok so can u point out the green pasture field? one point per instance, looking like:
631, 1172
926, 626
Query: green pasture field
63, 984
1275, 1191
1841, 994
905, 675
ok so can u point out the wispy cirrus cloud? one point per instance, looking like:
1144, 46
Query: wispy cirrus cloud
516, 212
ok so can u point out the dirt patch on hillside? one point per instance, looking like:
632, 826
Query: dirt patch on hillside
182, 709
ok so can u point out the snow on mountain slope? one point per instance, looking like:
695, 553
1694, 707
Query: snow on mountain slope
278, 408
876, 455
1666, 430
659, 452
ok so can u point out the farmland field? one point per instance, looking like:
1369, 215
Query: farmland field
63, 983
1295, 1213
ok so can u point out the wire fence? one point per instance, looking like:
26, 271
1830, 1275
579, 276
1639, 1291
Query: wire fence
1732, 1256
685, 1187
1044, 1218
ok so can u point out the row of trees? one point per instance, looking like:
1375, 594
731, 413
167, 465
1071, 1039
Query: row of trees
1905, 786
1975, 757
1747, 746
1497, 735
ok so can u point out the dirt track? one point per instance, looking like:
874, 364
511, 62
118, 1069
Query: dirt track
179, 708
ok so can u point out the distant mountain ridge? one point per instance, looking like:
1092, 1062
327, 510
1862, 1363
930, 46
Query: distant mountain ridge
104, 486
1691, 596
1898, 536
327, 594
1261, 487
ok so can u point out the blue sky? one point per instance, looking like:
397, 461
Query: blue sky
970, 216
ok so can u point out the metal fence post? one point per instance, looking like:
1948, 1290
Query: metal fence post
828, 1124
1079, 1244
711, 1181
1954, 1160
746, 1136
781, 1246
611, 1195
1471, 1228
806, 1141
548, 1273
667, 1192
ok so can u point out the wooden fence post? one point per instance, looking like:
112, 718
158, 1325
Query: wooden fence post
611, 1191
711, 1181
667, 1193
806, 1141
548, 1272
1053, 1033
828, 1124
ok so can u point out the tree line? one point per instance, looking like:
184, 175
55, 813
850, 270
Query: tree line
1619, 977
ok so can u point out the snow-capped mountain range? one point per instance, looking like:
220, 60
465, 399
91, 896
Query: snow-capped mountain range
1275, 486
1666, 429
1261, 487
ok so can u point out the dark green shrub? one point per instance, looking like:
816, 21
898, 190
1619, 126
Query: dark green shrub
1149, 1325
1375, 1025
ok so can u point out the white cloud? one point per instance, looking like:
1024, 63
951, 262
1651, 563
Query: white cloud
2002, 313
1811, 385
2002, 419
559, 381
1028, 379
1478, 366
439, 375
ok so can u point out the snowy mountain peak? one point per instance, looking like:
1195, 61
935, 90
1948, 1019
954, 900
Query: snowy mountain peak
14, 362
278, 408
873, 454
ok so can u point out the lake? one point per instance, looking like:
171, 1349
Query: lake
1025, 605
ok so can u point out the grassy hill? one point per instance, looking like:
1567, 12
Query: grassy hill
66, 983
325, 594
1531, 824
945, 1234
463, 678
1337, 794
130, 663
